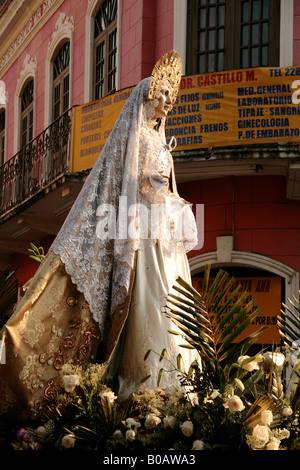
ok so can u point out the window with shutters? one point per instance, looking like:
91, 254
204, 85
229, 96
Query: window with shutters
61, 81
232, 34
105, 49
27, 114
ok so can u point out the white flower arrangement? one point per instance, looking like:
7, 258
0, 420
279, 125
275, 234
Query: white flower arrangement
234, 403
152, 421
70, 382
248, 363
187, 428
68, 441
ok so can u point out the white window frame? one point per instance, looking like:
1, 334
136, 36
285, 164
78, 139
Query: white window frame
91, 12
64, 31
28, 72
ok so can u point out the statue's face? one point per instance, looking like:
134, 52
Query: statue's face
164, 98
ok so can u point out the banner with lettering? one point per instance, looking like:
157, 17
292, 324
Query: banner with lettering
91, 125
239, 107
266, 291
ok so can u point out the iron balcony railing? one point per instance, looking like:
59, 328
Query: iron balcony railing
36, 165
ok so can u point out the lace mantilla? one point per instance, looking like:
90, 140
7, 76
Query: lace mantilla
132, 167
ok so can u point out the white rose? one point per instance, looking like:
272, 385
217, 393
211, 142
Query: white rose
234, 403
277, 358
187, 428
261, 433
70, 382
214, 394
266, 417
110, 395
68, 441
249, 366
198, 445
41, 431
130, 435
169, 422
273, 444
130, 423
152, 421
287, 411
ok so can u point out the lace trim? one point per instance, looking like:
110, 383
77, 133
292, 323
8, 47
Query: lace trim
129, 166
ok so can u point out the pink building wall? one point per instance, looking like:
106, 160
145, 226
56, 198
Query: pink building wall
146, 33
38, 48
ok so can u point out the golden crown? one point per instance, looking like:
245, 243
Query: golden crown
169, 68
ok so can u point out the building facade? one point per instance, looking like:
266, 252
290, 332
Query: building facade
58, 55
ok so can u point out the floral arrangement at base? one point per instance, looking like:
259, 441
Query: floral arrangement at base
88, 416
229, 399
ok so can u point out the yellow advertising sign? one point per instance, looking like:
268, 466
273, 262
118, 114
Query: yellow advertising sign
266, 291
91, 125
238, 107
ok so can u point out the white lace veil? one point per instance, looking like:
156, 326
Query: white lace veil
101, 267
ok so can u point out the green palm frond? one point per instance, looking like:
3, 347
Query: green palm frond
289, 321
289, 329
214, 320
36, 253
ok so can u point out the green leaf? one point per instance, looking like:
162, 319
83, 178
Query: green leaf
239, 384
187, 346
144, 379
174, 332
162, 354
160, 374
179, 361
147, 354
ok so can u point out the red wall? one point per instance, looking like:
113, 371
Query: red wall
252, 208
26, 267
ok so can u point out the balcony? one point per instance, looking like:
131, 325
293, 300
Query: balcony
37, 165
37, 190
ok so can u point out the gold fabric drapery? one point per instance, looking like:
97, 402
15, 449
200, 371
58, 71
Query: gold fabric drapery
51, 325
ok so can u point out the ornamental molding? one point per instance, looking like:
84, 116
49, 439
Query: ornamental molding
34, 23
10, 15
92, 5
64, 26
3, 95
250, 260
28, 70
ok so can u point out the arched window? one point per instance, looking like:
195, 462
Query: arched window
27, 113
61, 81
2, 136
105, 49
